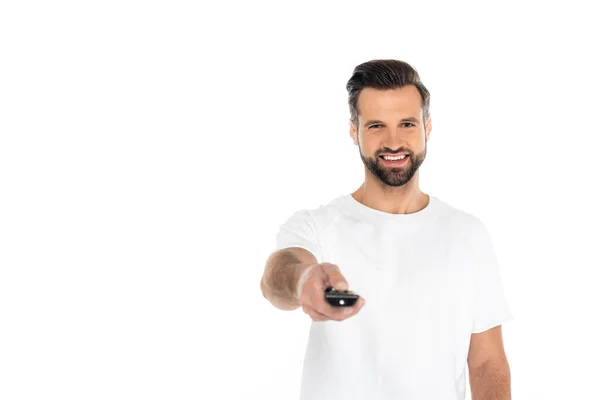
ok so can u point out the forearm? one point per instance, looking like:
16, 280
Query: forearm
278, 284
490, 381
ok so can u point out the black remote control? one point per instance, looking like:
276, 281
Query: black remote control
340, 298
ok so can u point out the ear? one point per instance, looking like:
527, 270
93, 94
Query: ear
353, 132
428, 127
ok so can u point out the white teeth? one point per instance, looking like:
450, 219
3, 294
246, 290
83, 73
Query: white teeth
394, 158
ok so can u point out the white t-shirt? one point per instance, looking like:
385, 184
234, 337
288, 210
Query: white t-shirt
430, 279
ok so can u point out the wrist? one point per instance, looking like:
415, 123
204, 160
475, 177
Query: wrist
302, 274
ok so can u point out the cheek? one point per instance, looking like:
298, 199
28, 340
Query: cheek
368, 145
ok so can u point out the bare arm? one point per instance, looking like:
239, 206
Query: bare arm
281, 275
489, 372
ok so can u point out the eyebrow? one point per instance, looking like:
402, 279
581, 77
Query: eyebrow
409, 119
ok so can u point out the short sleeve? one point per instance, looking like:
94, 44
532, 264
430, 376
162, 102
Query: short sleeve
490, 307
299, 230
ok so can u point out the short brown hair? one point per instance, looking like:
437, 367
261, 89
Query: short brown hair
384, 74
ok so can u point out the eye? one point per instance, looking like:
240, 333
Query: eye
375, 126
410, 124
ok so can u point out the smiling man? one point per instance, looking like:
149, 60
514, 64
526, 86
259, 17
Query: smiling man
431, 302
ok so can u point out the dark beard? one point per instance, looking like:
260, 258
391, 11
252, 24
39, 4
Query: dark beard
394, 176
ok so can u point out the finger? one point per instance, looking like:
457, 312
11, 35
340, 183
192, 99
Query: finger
314, 302
341, 313
313, 295
335, 276
314, 314
361, 302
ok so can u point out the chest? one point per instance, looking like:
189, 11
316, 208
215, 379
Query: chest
409, 271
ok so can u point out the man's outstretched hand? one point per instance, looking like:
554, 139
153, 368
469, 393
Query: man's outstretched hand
310, 292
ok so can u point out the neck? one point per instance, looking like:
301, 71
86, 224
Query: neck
406, 199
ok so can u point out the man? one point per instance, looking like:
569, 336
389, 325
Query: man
431, 297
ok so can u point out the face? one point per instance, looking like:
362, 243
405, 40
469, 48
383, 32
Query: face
391, 121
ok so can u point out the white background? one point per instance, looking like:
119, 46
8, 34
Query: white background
150, 150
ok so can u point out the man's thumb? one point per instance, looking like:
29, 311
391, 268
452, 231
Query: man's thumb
335, 277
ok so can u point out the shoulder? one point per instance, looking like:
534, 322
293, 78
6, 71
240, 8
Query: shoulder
326, 213
318, 216
458, 219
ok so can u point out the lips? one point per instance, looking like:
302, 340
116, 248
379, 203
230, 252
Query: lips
394, 163
393, 155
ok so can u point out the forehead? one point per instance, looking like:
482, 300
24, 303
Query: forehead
376, 103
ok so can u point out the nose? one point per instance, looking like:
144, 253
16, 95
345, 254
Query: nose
395, 140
